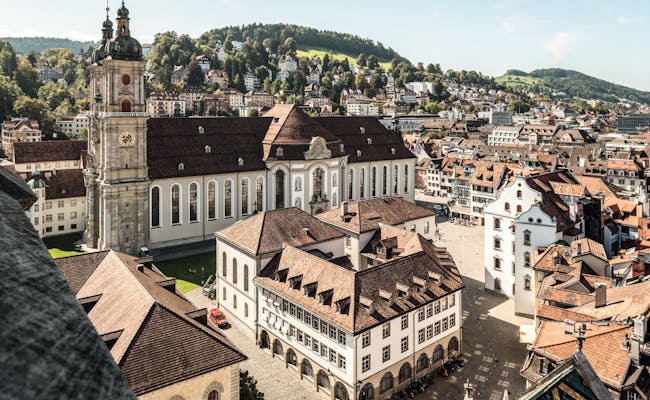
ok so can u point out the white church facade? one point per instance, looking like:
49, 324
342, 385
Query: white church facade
160, 182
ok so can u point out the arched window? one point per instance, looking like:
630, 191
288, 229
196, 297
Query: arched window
406, 179
323, 381
292, 359
155, 206
518, 208
367, 392
306, 369
244, 196
497, 223
227, 199
334, 179
527, 259
126, 106
384, 178
259, 197
234, 270
246, 310
350, 184
265, 341
279, 189
527, 282
298, 202
297, 184
224, 264
386, 382
438, 353
405, 372
194, 215
453, 346
176, 208
422, 363
277, 348
234, 301
212, 200
213, 395
527, 238
246, 277
396, 180
497, 284
506, 207
317, 183
340, 392
373, 182
519, 194
362, 184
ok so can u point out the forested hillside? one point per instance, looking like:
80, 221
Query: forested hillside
38, 44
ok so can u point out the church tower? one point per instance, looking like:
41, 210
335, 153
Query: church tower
116, 174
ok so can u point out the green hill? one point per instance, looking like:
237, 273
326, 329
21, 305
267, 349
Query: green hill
38, 44
306, 51
574, 84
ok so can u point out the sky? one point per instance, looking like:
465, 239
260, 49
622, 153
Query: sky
608, 39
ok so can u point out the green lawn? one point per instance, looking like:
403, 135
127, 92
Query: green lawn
63, 246
320, 52
180, 269
516, 80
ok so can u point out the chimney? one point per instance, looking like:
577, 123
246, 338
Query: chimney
140, 267
344, 208
579, 248
601, 295
568, 326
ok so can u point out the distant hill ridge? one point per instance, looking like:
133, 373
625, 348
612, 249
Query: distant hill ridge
574, 83
26, 44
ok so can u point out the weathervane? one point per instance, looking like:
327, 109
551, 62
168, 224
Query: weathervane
107, 8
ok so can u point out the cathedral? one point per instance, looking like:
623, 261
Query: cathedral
160, 182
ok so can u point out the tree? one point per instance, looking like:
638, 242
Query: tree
37, 110
248, 387
8, 61
195, 76
27, 78
54, 94
432, 108
518, 106
373, 63
361, 60
9, 92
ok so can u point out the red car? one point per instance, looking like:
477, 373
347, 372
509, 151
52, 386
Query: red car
218, 318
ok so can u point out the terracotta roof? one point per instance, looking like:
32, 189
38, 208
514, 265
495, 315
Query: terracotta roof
347, 289
77, 269
627, 165
488, 174
172, 141
267, 232
365, 215
551, 203
292, 126
51, 150
134, 303
602, 347
623, 302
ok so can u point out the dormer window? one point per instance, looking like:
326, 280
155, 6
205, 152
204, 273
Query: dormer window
369, 140
279, 152
240, 161
201, 130
208, 149
392, 150
181, 167
276, 120
358, 153
341, 147
362, 129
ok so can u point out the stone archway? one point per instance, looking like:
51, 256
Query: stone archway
367, 392
340, 392
265, 340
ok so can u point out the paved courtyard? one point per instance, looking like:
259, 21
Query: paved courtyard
490, 336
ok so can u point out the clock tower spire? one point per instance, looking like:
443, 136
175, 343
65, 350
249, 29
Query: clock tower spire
116, 173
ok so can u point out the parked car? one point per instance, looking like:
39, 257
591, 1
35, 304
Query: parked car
218, 318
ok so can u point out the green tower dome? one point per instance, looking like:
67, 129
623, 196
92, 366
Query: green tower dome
123, 48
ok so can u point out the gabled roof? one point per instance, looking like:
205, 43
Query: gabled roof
136, 308
268, 231
551, 203
291, 125
365, 215
65, 183
51, 150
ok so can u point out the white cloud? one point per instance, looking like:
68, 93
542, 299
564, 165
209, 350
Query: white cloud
625, 20
560, 44
514, 23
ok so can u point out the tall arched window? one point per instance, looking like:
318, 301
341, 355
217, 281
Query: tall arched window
224, 265
246, 277
246, 310
335, 182
176, 207
406, 179
362, 184
385, 181
373, 182
297, 184
194, 215
227, 199
259, 194
234, 270
438, 353
404, 372
396, 182
214, 395
386, 382
212, 200
244, 196
234, 301
279, 189
350, 184
155, 206
126, 106
317, 183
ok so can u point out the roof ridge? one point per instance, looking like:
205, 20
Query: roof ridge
141, 326
259, 239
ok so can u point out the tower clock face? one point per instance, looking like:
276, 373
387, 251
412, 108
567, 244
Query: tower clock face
127, 139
